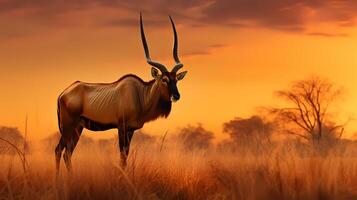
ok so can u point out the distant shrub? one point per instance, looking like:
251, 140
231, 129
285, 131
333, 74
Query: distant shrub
12, 135
195, 137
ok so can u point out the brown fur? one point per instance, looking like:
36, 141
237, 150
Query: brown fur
126, 104
138, 102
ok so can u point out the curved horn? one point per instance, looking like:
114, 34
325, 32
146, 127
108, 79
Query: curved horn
178, 65
161, 67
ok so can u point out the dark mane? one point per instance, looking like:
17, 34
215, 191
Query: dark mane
136, 77
161, 109
120, 79
164, 108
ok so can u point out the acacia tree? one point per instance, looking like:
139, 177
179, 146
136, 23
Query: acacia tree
195, 137
252, 134
246, 130
308, 107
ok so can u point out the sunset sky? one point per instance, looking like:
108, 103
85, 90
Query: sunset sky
237, 53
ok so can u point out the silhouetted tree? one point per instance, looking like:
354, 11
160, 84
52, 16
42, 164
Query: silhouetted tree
195, 137
13, 136
108, 145
141, 137
251, 134
51, 142
245, 130
354, 136
308, 110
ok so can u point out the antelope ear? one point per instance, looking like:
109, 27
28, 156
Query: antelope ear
155, 73
181, 75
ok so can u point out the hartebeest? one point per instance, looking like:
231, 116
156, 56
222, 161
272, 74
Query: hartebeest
126, 104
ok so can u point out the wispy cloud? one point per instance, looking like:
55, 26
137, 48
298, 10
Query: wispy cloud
322, 34
134, 22
290, 16
207, 51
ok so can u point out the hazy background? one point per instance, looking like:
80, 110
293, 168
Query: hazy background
237, 53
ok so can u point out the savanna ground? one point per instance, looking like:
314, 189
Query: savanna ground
159, 170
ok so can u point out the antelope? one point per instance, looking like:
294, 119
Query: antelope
126, 104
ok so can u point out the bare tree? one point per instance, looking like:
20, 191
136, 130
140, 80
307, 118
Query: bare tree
308, 107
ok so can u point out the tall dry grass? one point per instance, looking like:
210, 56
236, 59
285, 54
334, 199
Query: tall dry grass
168, 172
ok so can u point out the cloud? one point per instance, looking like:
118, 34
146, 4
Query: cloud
275, 14
207, 51
134, 23
322, 34
217, 46
197, 53
293, 15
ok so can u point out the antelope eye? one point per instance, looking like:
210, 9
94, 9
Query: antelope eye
165, 80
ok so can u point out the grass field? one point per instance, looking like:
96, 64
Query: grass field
172, 173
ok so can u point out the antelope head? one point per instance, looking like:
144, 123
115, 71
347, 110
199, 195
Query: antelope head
167, 80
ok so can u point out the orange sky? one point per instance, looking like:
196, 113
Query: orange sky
237, 54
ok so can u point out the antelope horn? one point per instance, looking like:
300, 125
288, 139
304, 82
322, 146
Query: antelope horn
178, 65
161, 67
